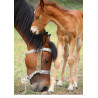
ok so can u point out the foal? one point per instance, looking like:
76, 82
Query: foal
69, 33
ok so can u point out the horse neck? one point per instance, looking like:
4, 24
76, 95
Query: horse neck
24, 38
57, 16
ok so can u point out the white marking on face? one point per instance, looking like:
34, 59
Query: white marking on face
34, 30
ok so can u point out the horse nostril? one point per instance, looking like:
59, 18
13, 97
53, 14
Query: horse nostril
45, 88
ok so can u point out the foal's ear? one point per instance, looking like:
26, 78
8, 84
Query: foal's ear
42, 3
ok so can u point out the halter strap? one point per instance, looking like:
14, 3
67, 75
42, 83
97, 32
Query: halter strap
35, 72
44, 72
33, 50
41, 71
46, 49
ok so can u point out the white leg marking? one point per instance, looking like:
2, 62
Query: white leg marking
60, 83
75, 84
70, 88
51, 89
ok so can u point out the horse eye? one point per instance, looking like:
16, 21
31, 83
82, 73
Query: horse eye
46, 61
37, 17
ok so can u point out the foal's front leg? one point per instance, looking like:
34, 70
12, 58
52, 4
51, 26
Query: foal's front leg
71, 62
56, 65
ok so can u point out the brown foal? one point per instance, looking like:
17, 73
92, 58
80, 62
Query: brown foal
69, 33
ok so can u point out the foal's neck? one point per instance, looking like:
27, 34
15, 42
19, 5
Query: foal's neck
58, 17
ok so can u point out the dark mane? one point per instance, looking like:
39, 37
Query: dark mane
53, 49
53, 4
23, 18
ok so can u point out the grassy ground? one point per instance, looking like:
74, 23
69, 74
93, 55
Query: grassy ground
20, 69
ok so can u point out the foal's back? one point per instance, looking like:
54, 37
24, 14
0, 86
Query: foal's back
79, 16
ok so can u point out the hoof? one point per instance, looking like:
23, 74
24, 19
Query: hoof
75, 87
50, 92
59, 85
69, 91
44, 93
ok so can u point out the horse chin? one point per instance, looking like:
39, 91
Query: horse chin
38, 83
36, 87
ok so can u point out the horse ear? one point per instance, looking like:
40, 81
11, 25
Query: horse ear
49, 35
42, 3
45, 33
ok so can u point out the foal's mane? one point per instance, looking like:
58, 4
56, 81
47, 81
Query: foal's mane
23, 18
54, 4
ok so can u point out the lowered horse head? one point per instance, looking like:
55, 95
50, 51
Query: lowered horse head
40, 81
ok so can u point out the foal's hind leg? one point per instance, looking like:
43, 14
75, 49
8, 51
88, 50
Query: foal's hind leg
71, 62
77, 58
65, 56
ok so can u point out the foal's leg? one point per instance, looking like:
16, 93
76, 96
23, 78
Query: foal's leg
65, 56
77, 58
71, 62
56, 65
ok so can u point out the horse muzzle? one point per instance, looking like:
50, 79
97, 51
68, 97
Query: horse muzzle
37, 87
40, 83
34, 30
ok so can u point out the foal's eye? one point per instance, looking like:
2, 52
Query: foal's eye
46, 61
37, 17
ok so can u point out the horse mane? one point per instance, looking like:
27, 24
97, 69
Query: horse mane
23, 18
54, 4
53, 50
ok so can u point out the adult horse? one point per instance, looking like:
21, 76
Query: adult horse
23, 18
69, 32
